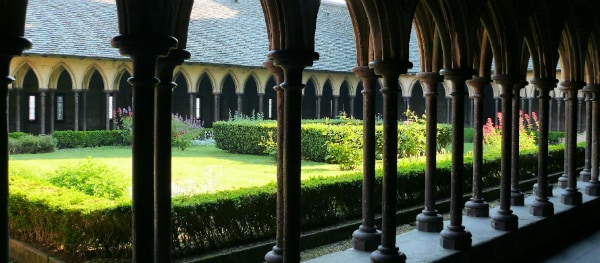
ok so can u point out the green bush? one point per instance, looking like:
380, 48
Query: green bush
16, 135
27, 143
468, 135
555, 137
81, 139
92, 179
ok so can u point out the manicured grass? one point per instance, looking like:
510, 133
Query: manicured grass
195, 170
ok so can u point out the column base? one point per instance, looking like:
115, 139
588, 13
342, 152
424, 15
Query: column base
571, 197
387, 255
563, 181
477, 208
585, 175
430, 222
366, 239
517, 198
541, 208
548, 190
455, 239
275, 255
592, 189
505, 221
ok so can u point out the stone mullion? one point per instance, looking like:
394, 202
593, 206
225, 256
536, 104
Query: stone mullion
455, 236
504, 219
477, 206
388, 251
541, 206
517, 198
429, 220
367, 237
276, 253
586, 172
571, 196
593, 186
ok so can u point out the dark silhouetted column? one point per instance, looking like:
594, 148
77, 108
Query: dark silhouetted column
504, 219
571, 196
477, 206
586, 172
593, 186
390, 72
542, 206
429, 220
455, 236
517, 198
367, 237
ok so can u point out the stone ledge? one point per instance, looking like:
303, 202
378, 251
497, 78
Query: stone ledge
23, 253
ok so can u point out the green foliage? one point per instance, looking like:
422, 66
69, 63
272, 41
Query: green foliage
17, 135
555, 137
27, 143
81, 139
344, 146
91, 178
468, 135
270, 145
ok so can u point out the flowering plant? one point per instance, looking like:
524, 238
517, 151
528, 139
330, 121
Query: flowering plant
528, 127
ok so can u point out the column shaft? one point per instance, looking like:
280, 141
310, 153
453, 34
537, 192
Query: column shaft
571, 196
5, 80
42, 111
517, 198
593, 186
76, 110
585, 173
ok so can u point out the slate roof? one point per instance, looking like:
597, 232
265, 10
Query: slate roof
221, 32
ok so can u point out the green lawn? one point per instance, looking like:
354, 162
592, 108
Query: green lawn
197, 169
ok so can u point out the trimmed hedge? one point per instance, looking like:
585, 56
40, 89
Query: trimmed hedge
82, 139
90, 227
20, 142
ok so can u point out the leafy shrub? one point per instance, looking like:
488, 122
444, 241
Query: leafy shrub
555, 137
344, 146
82, 139
185, 130
16, 135
468, 135
28, 143
270, 145
91, 178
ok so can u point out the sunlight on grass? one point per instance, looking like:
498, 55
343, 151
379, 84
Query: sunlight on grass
198, 169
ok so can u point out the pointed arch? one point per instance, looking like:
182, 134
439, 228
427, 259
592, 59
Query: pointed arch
250, 99
204, 102
184, 76
57, 72
89, 72
21, 70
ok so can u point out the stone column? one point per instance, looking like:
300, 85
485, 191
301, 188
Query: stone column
76, 109
455, 236
571, 196
542, 206
293, 64
406, 107
530, 104
558, 105
504, 219
335, 110
114, 108
85, 95
517, 198
261, 101
18, 109
52, 114
448, 109
12, 45
579, 103
107, 109
586, 172
429, 220
472, 109
549, 114
477, 206
192, 100
43, 111
593, 186
217, 105
318, 107
367, 237
496, 110
351, 105
276, 253
240, 99
143, 57
390, 71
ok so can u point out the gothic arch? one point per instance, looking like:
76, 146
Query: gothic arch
250, 100
57, 72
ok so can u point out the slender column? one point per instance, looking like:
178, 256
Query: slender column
448, 109
76, 109
18, 109
52, 115
144, 57
563, 180
477, 206
162, 153
11, 46
523, 100
351, 106
429, 220
192, 111
586, 172
388, 251
292, 64
240, 98
217, 108
406, 107
530, 105
517, 198
542, 206
367, 237
558, 105
43, 111
261, 99
455, 236
579, 103
318, 107
276, 254
504, 219
114, 108
496, 110
593, 186
335, 111
549, 113
85, 106
472, 109
106, 116
571, 196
